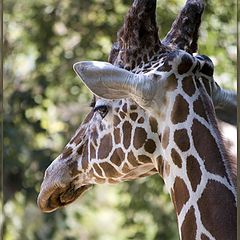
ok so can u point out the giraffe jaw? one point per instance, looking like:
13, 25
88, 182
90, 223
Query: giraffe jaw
50, 200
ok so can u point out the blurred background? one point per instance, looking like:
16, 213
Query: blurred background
44, 103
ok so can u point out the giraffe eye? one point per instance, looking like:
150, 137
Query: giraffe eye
102, 110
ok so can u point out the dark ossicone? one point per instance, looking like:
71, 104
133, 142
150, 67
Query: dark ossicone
138, 35
184, 31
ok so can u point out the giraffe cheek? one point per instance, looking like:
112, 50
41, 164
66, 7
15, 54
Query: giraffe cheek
94, 136
117, 157
127, 132
92, 151
117, 135
140, 137
116, 120
105, 146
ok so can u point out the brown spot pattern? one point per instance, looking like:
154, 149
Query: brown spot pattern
144, 159
193, 171
189, 227
117, 156
122, 114
219, 201
165, 139
109, 170
204, 237
207, 85
94, 135
127, 132
92, 151
180, 194
181, 139
180, 110
67, 151
116, 120
207, 149
98, 169
105, 146
73, 169
78, 137
133, 107
85, 156
185, 65
139, 137
124, 108
117, 135
125, 168
165, 67
132, 159
80, 150
198, 108
141, 120
153, 124
176, 158
88, 117
188, 85
150, 146
160, 164
196, 68
171, 82
133, 116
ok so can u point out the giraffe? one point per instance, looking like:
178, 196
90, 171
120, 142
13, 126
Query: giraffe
152, 112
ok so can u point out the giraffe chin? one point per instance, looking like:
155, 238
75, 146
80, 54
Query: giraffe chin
49, 201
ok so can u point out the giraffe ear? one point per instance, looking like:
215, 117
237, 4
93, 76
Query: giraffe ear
110, 82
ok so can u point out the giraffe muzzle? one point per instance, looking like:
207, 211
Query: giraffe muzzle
59, 188
50, 199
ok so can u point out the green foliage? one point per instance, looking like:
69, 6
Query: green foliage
44, 102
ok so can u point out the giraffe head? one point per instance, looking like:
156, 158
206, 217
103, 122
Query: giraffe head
121, 138
124, 135
158, 118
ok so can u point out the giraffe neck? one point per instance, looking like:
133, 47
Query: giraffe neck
196, 169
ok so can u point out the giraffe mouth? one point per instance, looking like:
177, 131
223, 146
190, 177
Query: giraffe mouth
50, 200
